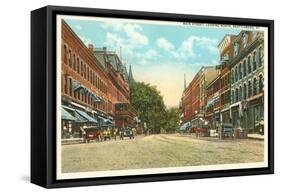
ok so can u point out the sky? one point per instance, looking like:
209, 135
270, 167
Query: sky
160, 53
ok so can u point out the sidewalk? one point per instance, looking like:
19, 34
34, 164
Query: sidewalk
256, 136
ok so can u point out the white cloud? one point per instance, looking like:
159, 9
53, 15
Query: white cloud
134, 34
85, 40
78, 27
165, 44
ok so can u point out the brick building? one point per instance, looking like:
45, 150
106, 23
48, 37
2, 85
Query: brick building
194, 96
92, 82
247, 81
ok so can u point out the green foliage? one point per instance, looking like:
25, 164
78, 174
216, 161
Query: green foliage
151, 109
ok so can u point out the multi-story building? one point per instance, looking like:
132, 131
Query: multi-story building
91, 85
213, 105
247, 81
194, 96
226, 55
118, 88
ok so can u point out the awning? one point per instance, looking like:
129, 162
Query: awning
212, 101
185, 126
86, 117
95, 97
106, 122
66, 115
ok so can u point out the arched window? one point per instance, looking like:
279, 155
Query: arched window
69, 58
244, 91
255, 86
254, 61
64, 54
244, 68
249, 89
249, 65
260, 83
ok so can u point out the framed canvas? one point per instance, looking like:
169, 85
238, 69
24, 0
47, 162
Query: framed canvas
126, 96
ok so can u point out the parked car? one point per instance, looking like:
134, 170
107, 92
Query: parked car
127, 132
226, 131
92, 134
106, 135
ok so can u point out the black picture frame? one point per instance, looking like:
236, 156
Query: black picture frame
43, 96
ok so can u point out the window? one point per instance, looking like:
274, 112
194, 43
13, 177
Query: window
236, 95
260, 83
82, 68
236, 74
74, 62
69, 58
236, 49
240, 93
88, 77
245, 40
254, 61
244, 91
91, 77
64, 54
85, 70
260, 56
65, 84
249, 89
240, 71
255, 86
70, 87
249, 65
78, 65
244, 68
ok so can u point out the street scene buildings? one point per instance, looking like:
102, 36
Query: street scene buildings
94, 88
231, 95
124, 105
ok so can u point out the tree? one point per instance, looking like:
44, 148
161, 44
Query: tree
172, 119
149, 104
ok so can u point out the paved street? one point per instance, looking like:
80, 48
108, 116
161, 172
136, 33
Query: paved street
158, 151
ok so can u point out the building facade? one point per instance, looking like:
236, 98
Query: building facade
194, 96
247, 81
91, 85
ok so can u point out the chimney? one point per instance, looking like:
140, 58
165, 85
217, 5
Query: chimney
91, 47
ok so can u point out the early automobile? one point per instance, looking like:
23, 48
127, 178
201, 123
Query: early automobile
106, 135
226, 131
127, 132
92, 134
